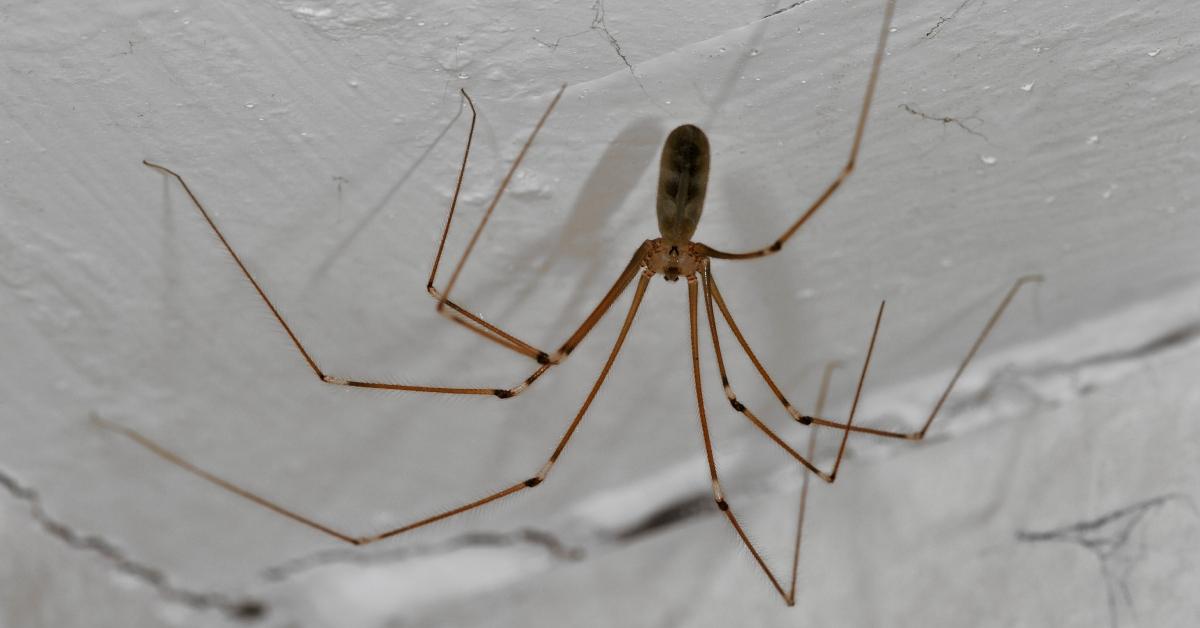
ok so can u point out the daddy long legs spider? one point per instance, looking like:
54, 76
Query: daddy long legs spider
683, 178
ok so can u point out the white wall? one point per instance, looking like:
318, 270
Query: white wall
325, 138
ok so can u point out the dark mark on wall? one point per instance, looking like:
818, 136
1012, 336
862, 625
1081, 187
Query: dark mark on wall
941, 21
243, 609
785, 9
671, 514
600, 25
946, 120
527, 536
1108, 537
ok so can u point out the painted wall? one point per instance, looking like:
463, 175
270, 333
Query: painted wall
1007, 138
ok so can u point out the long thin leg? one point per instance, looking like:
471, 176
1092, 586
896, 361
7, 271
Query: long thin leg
812, 448
504, 393
179, 461
737, 333
718, 492
937, 407
889, 8
456, 312
709, 293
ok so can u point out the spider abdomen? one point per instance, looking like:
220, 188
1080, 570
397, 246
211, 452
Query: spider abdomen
682, 182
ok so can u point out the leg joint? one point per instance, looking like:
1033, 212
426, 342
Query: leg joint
541, 474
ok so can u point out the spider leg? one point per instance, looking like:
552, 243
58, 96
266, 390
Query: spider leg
718, 492
533, 481
812, 447
504, 393
962, 366
775, 246
711, 293
711, 286
449, 308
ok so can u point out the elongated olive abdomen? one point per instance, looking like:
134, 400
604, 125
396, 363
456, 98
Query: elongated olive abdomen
682, 182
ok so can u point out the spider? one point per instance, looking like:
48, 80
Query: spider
682, 184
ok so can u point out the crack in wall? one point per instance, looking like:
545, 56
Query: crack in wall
1108, 537
785, 9
599, 25
558, 40
673, 513
525, 536
1042, 374
243, 609
932, 32
947, 120
1173, 338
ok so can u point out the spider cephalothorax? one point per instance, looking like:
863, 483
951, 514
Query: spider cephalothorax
673, 261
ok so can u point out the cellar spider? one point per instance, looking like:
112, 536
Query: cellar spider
682, 185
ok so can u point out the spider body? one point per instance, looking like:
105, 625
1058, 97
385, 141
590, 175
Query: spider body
682, 183
683, 180
673, 261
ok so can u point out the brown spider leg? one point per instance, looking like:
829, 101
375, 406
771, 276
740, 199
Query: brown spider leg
461, 315
455, 312
179, 461
737, 333
710, 291
718, 492
937, 407
846, 169
588, 323
812, 448
503, 393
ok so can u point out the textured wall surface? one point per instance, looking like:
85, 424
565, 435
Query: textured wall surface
1006, 138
